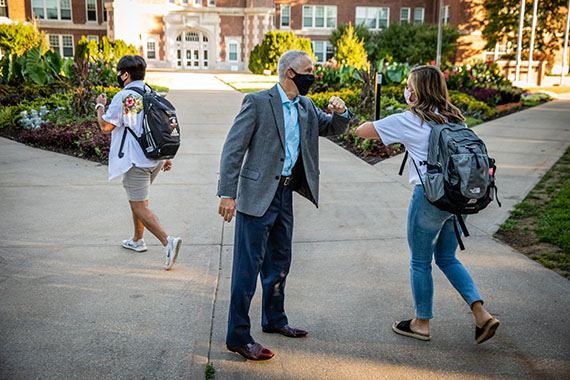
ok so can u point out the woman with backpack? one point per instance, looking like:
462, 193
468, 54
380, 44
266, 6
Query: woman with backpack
430, 231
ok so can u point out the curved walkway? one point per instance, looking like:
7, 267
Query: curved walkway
75, 305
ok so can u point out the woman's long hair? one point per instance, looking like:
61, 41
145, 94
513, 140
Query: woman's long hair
430, 88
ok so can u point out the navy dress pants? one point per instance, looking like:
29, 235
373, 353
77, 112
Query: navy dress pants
262, 245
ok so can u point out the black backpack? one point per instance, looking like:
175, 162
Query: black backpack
460, 176
160, 138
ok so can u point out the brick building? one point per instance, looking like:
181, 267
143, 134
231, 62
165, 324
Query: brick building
220, 34
64, 21
194, 34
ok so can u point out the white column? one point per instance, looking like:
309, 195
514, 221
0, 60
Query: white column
519, 43
534, 6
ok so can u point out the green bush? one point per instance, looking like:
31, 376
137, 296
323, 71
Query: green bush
414, 44
350, 49
470, 106
362, 32
395, 91
266, 54
31, 66
10, 116
20, 37
534, 99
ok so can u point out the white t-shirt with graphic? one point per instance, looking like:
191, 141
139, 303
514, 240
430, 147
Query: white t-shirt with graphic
126, 109
408, 129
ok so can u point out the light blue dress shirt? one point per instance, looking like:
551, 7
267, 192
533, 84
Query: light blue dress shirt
292, 134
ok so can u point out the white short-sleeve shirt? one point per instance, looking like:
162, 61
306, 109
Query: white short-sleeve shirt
408, 129
126, 109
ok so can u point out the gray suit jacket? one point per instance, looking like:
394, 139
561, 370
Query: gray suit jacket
254, 151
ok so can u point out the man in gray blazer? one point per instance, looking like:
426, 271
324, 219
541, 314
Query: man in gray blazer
271, 150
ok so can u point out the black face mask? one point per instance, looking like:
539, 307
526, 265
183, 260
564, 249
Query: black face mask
303, 82
120, 81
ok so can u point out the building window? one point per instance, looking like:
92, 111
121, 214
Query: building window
204, 38
51, 9
62, 45
233, 52
91, 10
93, 38
285, 16
3, 8
67, 43
404, 15
54, 43
212, 3
104, 13
445, 15
151, 50
191, 36
318, 16
418, 15
375, 18
323, 51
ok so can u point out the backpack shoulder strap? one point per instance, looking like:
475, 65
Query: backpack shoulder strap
121, 154
137, 90
403, 164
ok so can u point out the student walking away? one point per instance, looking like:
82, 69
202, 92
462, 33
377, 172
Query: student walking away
271, 151
127, 158
431, 231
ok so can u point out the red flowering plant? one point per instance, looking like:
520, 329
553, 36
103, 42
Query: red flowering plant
327, 76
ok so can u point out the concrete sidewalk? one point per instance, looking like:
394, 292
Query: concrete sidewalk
75, 305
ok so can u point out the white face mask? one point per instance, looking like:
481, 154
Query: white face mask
407, 95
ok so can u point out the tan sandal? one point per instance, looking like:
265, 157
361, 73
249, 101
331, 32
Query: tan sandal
404, 328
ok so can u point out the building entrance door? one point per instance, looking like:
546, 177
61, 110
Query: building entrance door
192, 51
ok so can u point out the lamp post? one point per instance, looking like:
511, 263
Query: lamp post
534, 6
438, 58
519, 43
565, 54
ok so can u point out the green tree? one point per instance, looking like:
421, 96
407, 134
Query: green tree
17, 38
414, 44
266, 54
350, 49
361, 31
502, 23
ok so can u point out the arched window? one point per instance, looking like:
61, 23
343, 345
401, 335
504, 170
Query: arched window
204, 39
179, 38
191, 36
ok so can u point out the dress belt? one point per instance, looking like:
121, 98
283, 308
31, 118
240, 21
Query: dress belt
285, 181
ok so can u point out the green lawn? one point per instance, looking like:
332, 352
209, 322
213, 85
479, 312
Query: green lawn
539, 226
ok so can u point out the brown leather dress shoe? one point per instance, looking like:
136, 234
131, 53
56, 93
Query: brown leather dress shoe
287, 330
252, 351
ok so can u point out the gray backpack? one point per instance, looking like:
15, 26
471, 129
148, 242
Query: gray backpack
460, 175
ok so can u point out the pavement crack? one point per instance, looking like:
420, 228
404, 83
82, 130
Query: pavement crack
216, 293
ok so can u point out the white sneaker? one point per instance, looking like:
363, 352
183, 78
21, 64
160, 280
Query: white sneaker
138, 246
171, 251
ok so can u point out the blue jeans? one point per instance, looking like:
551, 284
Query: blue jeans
262, 246
431, 233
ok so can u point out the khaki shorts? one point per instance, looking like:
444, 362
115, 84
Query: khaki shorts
137, 182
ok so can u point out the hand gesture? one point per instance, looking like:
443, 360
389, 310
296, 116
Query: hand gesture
167, 165
227, 208
336, 104
102, 99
